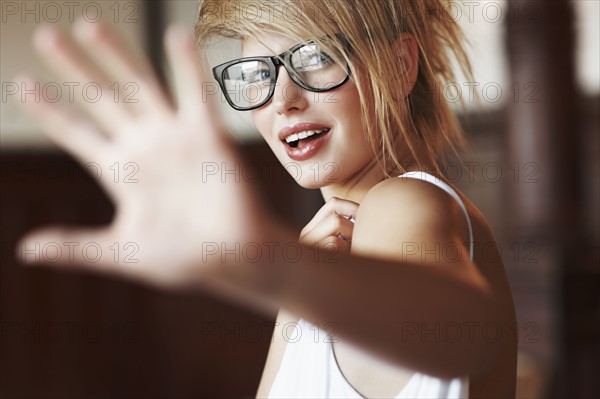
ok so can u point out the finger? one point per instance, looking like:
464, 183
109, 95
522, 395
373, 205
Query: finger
71, 132
340, 235
335, 245
67, 248
331, 226
64, 59
334, 205
190, 77
343, 246
86, 249
135, 78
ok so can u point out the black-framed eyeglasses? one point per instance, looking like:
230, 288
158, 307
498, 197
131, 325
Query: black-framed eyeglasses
249, 83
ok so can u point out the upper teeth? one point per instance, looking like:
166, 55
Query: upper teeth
302, 135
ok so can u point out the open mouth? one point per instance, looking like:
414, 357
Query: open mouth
306, 136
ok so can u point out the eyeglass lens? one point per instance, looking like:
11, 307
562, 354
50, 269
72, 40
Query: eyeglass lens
249, 83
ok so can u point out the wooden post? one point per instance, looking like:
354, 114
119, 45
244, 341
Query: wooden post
542, 149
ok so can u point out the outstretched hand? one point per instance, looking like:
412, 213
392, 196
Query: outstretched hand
170, 208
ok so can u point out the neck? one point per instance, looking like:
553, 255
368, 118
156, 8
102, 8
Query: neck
357, 186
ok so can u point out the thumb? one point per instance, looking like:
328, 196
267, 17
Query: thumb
65, 247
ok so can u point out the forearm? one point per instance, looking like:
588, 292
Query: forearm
411, 314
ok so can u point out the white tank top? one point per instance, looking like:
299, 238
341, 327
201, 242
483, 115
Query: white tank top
309, 368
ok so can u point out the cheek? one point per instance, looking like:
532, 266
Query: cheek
355, 109
261, 122
348, 100
347, 105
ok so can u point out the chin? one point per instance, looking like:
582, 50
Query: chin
312, 175
310, 184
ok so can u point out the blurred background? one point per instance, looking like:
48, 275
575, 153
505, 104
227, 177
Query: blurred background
534, 173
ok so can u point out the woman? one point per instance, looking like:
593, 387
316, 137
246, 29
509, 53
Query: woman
397, 289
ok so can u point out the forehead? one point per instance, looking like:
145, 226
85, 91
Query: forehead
267, 45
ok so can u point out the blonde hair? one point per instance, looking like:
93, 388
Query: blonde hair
423, 119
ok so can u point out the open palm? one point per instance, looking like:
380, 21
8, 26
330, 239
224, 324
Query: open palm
173, 204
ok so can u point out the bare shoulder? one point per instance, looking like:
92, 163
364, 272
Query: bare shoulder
407, 196
399, 214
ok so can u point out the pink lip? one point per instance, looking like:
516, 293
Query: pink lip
307, 149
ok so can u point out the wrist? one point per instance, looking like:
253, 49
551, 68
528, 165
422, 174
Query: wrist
250, 273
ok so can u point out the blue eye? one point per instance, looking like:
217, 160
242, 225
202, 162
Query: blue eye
264, 74
321, 58
310, 58
257, 76
315, 60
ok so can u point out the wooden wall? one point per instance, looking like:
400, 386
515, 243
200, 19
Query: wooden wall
86, 336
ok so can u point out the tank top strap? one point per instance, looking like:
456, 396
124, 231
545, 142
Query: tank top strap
419, 175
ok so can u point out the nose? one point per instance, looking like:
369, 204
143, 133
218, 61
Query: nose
288, 96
